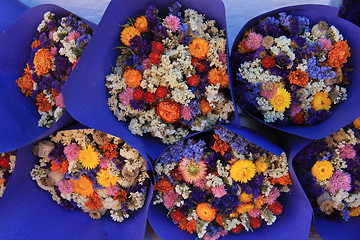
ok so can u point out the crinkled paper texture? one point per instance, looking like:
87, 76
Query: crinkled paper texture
293, 223
85, 94
18, 114
343, 113
29, 211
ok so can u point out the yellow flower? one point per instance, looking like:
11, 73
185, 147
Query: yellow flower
321, 101
128, 33
243, 208
242, 171
281, 100
198, 48
261, 165
88, 157
216, 76
205, 212
245, 198
322, 170
105, 179
356, 123
82, 186
354, 212
141, 24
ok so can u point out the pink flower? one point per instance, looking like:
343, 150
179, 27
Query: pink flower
146, 63
273, 195
222, 57
218, 191
51, 33
326, 43
255, 212
65, 187
59, 101
347, 151
216, 235
295, 109
126, 96
72, 151
112, 189
201, 183
269, 94
253, 41
169, 199
186, 113
340, 180
53, 51
103, 162
73, 36
172, 22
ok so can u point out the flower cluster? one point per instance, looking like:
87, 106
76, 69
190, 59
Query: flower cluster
93, 171
7, 164
289, 72
171, 75
329, 171
55, 50
222, 184
350, 10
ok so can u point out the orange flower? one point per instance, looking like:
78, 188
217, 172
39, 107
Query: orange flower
259, 201
356, 123
35, 44
2, 182
205, 212
198, 48
205, 106
42, 61
141, 24
245, 198
321, 101
132, 77
109, 150
354, 212
62, 167
219, 220
284, 180
243, 208
220, 146
83, 186
120, 195
189, 226
338, 54
43, 103
94, 201
169, 111
163, 186
25, 82
299, 78
216, 76
128, 33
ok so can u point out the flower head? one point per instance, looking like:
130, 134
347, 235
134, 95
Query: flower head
299, 78
169, 199
322, 170
43, 102
82, 186
71, 151
172, 22
42, 61
25, 83
93, 202
141, 24
88, 157
105, 179
356, 123
242, 171
340, 181
128, 33
169, 111
281, 100
321, 101
205, 212
65, 186
191, 170
198, 48
216, 76
132, 78
339, 54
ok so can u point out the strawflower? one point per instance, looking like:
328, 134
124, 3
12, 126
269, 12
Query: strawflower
281, 100
88, 157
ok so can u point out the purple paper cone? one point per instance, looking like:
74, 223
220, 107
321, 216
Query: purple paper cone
343, 113
293, 223
85, 94
18, 115
10, 10
29, 211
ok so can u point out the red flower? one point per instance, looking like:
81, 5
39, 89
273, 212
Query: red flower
268, 62
177, 215
161, 92
194, 61
237, 229
176, 174
157, 47
201, 67
150, 97
4, 162
155, 58
255, 222
138, 94
193, 80
275, 208
298, 118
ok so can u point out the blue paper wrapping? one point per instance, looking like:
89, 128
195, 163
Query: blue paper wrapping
85, 94
18, 115
10, 10
27, 210
296, 208
344, 112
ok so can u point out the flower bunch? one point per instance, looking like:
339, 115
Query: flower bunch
7, 164
350, 10
328, 170
290, 72
93, 171
171, 75
223, 184
55, 50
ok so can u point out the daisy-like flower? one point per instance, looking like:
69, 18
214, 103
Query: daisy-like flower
132, 78
128, 33
42, 61
321, 101
198, 48
172, 22
242, 171
299, 78
205, 212
88, 157
218, 76
169, 111
105, 179
141, 24
339, 54
322, 170
281, 100
261, 165
82, 186
340, 181
71, 151
191, 170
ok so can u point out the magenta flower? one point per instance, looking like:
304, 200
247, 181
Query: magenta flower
253, 41
340, 181
218, 191
112, 189
73, 36
186, 113
65, 187
347, 151
72, 151
169, 199
126, 96
172, 22
59, 101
